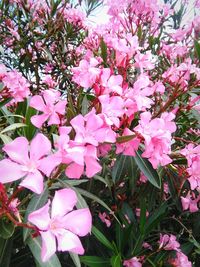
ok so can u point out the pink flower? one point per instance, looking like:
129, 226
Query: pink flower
62, 228
157, 134
128, 148
190, 203
111, 83
27, 161
192, 155
181, 260
91, 129
133, 262
112, 109
105, 219
51, 107
17, 85
86, 73
168, 242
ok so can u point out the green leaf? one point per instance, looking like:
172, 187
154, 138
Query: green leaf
75, 258
102, 238
5, 251
156, 217
35, 247
13, 127
5, 101
147, 169
197, 48
103, 51
93, 197
84, 106
93, 261
142, 215
37, 201
6, 229
116, 261
6, 139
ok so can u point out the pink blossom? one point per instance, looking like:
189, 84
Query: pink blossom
128, 148
111, 83
133, 262
51, 107
112, 109
157, 134
192, 155
190, 202
86, 73
105, 219
63, 226
169, 242
143, 61
181, 260
17, 85
27, 161
91, 129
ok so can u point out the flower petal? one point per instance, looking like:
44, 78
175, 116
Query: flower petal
48, 245
78, 221
47, 164
40, 217
40, 146
38, 120
34, 182
17, 150
74, 171
37, 102
10, 171
70, 242
63, 202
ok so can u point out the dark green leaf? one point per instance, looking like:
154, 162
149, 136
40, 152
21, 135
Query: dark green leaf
147, 169
102, 238
6, 229
93, 261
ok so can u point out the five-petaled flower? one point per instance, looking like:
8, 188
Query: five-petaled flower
64, 224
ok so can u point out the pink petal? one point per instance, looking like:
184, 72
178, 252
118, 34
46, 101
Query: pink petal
48, 245
63, 202
92, 166
40, 146
74, 171
37, 102
50, 96
78, 221
34, 182
17, 150
38, 120
54, 119
48, 164
78, 123
40, 217
70, 242
60, 107
10, 171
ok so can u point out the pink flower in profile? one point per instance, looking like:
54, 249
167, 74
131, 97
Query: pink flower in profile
190, 203
169, 242
51, 107
27, 161
105, 219
60, 229
133, 262
181, 260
